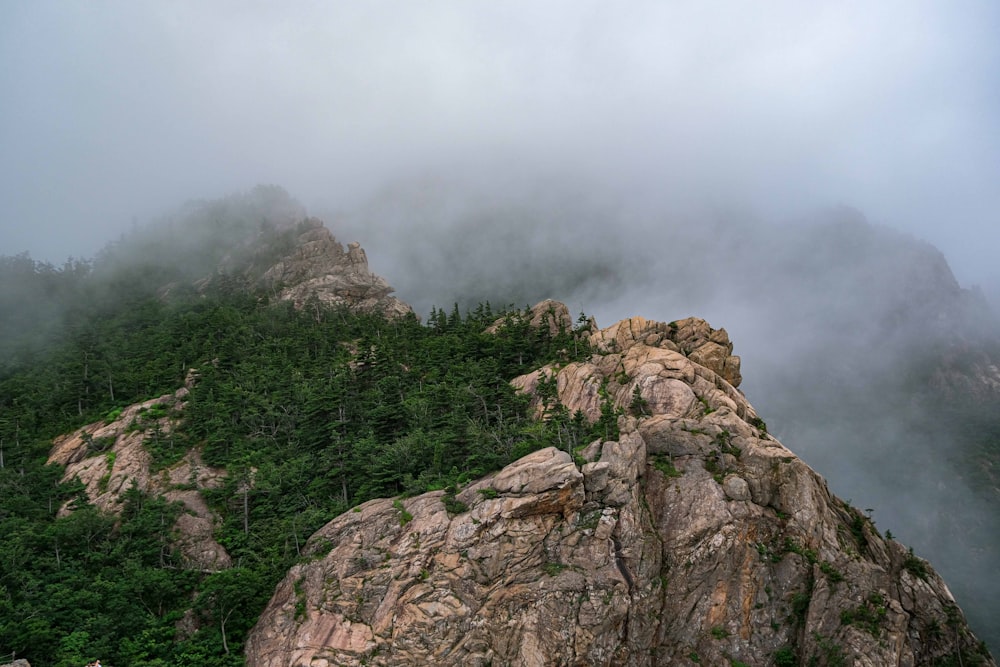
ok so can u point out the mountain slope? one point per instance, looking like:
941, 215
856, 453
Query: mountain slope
692, 537
305, 408
859, 345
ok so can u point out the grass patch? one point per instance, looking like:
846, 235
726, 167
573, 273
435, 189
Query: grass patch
404, 516
665, 465
915, 565
868, 616
552, 569
832, 573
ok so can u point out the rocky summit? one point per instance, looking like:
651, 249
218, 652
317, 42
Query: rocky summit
317, 267
692, 536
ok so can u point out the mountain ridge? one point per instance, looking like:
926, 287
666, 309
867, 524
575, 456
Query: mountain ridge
693, 515
297, 262
705, 538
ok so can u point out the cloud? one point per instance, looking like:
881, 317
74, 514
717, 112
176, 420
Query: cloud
120, 109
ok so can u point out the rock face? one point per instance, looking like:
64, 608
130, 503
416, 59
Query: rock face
547, 314
318, 267
693, 538
109, 458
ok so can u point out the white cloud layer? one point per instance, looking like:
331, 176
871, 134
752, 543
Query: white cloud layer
119, 109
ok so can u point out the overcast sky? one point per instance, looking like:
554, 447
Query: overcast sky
114, 111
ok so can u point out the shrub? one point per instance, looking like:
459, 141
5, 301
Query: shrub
915, 566
404, 516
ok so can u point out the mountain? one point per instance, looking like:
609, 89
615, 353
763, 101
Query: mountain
692, 537
234, 409
859, 346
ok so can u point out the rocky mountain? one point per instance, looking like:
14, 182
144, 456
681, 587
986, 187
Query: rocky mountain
860, 347
686, 534
693, 537
315, 268
261, 239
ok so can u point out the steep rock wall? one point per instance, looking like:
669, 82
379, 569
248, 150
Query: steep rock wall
694, 538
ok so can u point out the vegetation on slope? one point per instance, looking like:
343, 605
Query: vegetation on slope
311, 412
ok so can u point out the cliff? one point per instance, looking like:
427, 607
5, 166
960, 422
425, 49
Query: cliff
317, 268
693, 537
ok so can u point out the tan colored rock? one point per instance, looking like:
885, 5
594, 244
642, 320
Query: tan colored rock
549, 314
552, 315
319, 269
742, 554
109, 458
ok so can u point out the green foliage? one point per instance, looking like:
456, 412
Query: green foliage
552, 569
98, 445
915, 565
800, 606
714, 465
311, 412
785, 657
719, 632
723, 440
665, 465
404, 516
801, 601
639, 407
767, 553
869, 616
857, 526
451, 504
831, 654
832, 574
706, 409
606, 426
794, 547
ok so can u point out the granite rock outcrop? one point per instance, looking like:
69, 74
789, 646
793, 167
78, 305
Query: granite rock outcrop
691, 537
317, 267
109, 458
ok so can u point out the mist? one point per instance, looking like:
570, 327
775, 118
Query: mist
818, 179
114, 112
860, 348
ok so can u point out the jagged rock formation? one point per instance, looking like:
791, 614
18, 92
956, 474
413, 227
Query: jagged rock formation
549, 314
317, 267
693, 538
109, 458
262, 239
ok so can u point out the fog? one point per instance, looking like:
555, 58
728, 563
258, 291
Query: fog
114, 111
797, 175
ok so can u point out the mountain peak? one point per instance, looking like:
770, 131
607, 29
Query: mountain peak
317, 267
693, 536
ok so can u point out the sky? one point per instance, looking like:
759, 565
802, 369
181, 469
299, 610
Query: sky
112, 113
